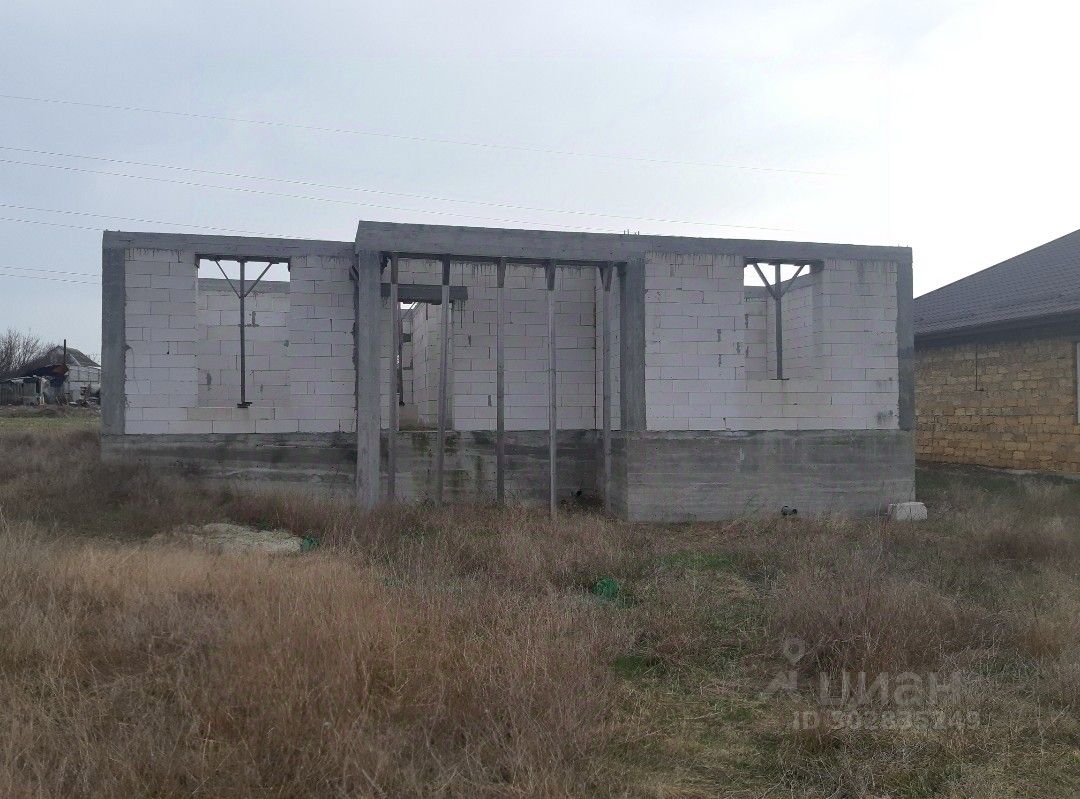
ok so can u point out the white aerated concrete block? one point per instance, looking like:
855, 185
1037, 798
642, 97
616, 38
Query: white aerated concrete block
907, 512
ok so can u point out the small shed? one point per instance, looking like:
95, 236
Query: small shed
71, 376
22, 391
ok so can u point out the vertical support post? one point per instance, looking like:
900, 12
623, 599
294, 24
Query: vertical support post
367, 308
500, 387
605, 280
443, 365
632, 346
243, 342
113, 345
779, 303
553, 426
395, 347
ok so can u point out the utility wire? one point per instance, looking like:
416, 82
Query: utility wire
436, 198
313, 198
140, 221
268, 193
49, 271
412, 138
104, 216
53, 279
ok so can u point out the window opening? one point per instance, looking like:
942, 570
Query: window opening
242, 286
777, 285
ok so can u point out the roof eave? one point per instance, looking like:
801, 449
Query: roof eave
988, 328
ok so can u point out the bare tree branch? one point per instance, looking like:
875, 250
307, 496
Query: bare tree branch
18, 349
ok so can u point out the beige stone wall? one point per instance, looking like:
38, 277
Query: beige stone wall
1003, 403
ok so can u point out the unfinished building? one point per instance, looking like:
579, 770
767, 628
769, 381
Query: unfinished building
668, 378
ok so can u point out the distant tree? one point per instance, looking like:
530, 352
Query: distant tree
18, 349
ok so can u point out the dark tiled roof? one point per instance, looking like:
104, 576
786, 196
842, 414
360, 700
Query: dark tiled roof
1036, 284
55, 356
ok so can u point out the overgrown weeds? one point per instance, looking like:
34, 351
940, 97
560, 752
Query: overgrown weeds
460, 651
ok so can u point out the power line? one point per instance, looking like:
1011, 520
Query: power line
139, 220
267, 192
49, 271
336, 201
122, 218
51, 224
315, 184
413, 138
53, 279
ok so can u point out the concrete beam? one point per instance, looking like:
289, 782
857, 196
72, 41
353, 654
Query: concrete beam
252, 247
419, 292
544, 244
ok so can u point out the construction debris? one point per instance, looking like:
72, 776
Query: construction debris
225, 537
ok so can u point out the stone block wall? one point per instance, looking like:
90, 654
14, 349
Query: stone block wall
1006, 402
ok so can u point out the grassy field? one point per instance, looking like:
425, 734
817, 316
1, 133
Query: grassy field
469, 652
48, 419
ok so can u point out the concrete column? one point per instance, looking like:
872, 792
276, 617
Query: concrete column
632, 345
605, 279
905, 346
500, 386
395, 348
113, 343
368, 307
444, 369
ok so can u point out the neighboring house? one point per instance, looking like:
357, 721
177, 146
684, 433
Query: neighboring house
996, 364
76, 379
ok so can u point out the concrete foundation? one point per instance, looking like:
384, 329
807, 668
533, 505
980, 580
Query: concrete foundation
327, 460
702, 476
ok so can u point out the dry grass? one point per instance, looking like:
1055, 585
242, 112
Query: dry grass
458, 651
135, 671
48, 419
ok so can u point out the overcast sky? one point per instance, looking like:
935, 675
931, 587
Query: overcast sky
948, 126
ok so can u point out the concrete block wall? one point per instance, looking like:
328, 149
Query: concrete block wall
702, 422
697, 372
80, 377
407, 396
322, 374
164, 342
472, 382
695, 368
701, 324
160, 316
801, 331
756, 338
426, 321
217, 358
